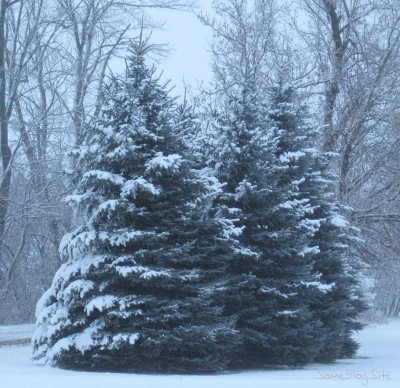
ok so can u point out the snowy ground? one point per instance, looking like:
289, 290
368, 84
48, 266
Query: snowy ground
377, 365
15, 333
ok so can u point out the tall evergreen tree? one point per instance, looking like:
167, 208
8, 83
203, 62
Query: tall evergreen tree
135, 291
269, 283
323, 223
329, 231
277, 287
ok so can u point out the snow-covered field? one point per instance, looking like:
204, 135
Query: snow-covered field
377, 365
15, 332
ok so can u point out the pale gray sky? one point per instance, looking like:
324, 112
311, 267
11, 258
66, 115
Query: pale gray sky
189, 59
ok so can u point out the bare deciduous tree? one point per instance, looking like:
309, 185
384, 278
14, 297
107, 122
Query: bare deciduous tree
54, 56
355, 45
243, 42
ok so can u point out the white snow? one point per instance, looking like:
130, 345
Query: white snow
160, 162
322, 287
155, 274
106, 176
87, 263
245, 252
119, 339
311, 226
339, 221
83, 342
110, 204
288, 156
145, 272
377, 366
15, 332
309, 250
268, 290
121, 238
126, 271
73, 243
77, 199
288, 313
100, 303
298, 182
78, 287
242, 189
293, 203
135, 186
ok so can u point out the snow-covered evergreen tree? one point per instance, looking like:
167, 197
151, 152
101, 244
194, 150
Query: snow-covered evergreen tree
136, 290
279, 286
270, 281
308, 182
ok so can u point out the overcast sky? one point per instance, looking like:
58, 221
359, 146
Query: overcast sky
189, 59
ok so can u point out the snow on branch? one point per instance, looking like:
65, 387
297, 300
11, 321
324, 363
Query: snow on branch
160, 162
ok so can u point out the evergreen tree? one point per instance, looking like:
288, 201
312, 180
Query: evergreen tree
136, 290
270, 281
280, 287
323, 224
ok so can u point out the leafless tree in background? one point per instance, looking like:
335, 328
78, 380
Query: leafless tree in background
94, 32
243, 42
54, 57
355, 45
21, 26
243, 51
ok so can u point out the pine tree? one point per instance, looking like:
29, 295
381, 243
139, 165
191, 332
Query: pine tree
135, 293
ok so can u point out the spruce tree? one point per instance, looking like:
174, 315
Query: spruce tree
289, 289
270, 281
324, 224
135, 292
